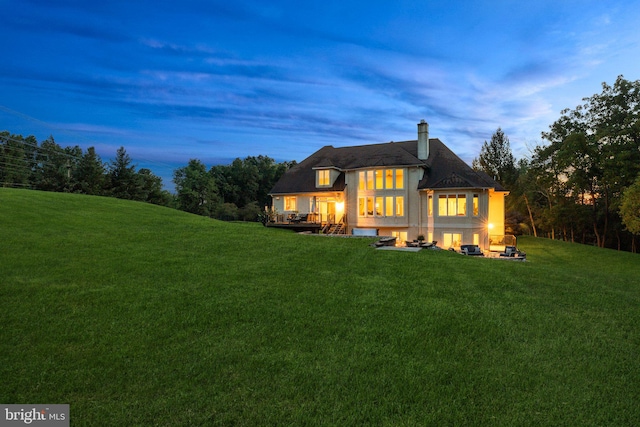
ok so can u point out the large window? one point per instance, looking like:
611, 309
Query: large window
452, 205
381, 179
381, 206
430, 205
290, 203
476, 205
377, 195
366, 206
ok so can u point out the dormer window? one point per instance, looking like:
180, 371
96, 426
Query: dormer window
324, 178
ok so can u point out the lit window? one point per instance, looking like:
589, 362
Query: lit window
399, 206
290, 203
476, 239
401, 236
379, 206
370, 206
451, 240
389, 206
361, 206
324, 178
475, 205
442, 205
379, 179
399, 179
452, 205
369, 180
388, 173
430, 205
362, 178
462, 205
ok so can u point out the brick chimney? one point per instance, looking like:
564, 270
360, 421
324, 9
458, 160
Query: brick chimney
423, 140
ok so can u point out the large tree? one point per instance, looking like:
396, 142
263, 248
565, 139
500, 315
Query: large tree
196, 189
496, 159
151, 188
90, 175
123, 180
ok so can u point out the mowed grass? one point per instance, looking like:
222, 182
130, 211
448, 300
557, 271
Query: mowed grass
140, 315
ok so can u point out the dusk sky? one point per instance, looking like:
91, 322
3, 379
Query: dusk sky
216, 80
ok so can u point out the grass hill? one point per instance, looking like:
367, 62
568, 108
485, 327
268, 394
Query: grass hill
136, 314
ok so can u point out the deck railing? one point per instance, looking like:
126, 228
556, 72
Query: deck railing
308, 218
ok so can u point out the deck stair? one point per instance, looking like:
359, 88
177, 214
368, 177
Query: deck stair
335, 228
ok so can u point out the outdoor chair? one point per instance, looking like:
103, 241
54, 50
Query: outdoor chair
473, 250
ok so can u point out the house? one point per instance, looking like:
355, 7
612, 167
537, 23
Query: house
402, 189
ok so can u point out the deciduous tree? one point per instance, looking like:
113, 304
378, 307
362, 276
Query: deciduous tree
196, 189
596, 147
630, 207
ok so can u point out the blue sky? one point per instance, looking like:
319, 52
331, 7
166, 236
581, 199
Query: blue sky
216, 80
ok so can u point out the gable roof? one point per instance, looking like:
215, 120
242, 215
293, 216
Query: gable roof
443, 169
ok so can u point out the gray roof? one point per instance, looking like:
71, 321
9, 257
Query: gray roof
443, 169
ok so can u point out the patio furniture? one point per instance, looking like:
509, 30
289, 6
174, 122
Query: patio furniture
386, 241
513, 252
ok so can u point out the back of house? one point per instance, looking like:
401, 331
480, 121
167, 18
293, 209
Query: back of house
408, 189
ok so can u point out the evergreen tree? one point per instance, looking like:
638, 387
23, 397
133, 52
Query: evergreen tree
90, 174
496, 159
123, 180
15, 165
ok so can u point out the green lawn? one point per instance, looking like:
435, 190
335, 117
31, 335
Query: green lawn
136, 314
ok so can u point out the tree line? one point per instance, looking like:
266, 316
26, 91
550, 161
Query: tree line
24, 162
584, 184
238, 191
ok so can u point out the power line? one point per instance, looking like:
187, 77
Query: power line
63, 131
